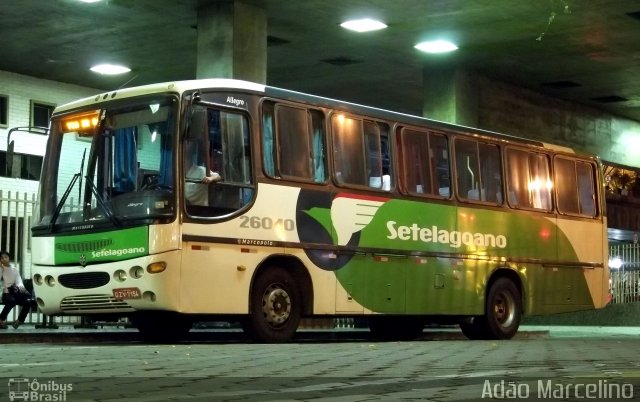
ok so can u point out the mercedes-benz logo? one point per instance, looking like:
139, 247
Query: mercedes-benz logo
83, 260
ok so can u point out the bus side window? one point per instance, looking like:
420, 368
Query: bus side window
318, 144
226, 150
517, 177
490, 173
377, 155
293, 142
479, 171
468, 172
540, 181
361, 152
528, 179
586, 188
268, 140
348, 150
416, 161
425, 163
567, 185
574, 186
439, 151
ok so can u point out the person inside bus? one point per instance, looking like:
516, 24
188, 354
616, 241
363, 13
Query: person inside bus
197, 193
13, 292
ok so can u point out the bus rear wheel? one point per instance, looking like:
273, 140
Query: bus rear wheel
475, 328
275, 307
502, 315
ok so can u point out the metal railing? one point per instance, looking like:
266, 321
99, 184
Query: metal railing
624, 266
16, 211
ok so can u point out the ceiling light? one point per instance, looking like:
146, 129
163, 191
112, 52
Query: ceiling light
436, 46
363, 25
110, 69
89, 1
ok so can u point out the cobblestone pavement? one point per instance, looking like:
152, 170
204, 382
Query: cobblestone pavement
566, 367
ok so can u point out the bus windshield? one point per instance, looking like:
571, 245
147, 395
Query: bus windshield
110, 166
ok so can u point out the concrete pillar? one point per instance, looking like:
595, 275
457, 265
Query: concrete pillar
450, 95
232, 41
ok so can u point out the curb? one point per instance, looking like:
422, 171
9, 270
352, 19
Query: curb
22, 336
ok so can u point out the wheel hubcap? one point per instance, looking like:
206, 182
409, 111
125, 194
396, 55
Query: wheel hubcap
504, 309
276, 305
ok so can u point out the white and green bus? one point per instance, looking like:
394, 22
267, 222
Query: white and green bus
323, 208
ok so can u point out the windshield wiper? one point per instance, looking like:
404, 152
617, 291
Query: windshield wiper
81, 172
107, 210
56, 213
76, 177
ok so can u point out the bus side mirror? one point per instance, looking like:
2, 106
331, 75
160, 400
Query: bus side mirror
10, 154
9, 159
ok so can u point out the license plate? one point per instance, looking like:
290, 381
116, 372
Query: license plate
126, 293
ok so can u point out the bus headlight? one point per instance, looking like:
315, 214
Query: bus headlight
37, 278
50, 280
136, 272
156, 267
120, 275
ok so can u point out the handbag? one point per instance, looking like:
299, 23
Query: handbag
19, 296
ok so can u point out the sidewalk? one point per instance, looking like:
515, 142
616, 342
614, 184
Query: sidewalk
28, 333
557, 331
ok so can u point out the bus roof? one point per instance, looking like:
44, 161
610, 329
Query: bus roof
409, 119
179, 87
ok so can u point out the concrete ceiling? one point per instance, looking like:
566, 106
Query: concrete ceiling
587, 51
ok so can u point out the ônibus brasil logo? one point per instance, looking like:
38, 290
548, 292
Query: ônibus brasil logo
25, 389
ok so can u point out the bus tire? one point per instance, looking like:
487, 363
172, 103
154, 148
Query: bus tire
475, 329
396, 328
161, 326
275, 307
504, 309
503, 313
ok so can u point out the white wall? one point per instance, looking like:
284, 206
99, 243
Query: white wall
21, 90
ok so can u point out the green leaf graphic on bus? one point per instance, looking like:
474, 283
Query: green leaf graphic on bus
334, 220
394, 280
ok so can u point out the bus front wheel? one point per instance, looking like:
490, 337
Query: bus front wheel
275, 307
502, 314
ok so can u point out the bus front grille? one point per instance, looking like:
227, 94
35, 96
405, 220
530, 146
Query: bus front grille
92, 302
84, 280
83, 246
